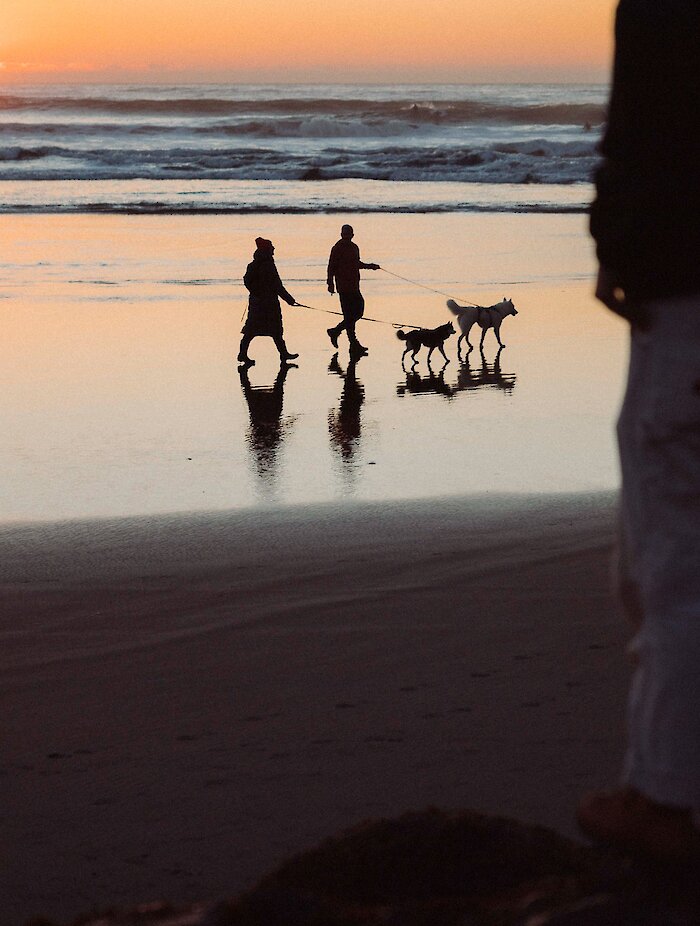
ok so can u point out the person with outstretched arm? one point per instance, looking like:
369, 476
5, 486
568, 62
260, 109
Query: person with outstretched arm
344, 267
646, 224
264, 311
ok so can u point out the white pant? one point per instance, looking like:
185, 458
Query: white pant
659, 441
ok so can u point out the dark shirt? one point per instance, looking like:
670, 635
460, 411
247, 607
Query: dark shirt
646, 215
263, 282
344, 266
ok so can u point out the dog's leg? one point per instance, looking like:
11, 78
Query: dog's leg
429, 354
466, 335
496, 331
483, 335
459, 346
442, 351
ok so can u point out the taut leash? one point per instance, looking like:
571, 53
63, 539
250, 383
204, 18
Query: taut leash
365, 318
429, 288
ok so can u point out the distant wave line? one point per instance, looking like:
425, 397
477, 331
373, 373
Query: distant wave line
168, 208
433, 111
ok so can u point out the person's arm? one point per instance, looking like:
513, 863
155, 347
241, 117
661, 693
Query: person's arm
248, 278
285, 295
363, 266
622, 217
279, 287
332, 265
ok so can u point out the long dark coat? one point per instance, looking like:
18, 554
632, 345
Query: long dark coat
265, 287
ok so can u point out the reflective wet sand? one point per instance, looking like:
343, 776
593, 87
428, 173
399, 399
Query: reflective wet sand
120, 392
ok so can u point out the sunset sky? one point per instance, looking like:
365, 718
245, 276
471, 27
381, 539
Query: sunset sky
315, 40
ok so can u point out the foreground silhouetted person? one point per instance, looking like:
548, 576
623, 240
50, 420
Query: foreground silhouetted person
344, 267
264, 311
646, 222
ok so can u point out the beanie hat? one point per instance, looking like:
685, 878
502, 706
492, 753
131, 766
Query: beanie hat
262, 244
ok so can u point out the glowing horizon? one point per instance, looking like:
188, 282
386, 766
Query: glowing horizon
397, 41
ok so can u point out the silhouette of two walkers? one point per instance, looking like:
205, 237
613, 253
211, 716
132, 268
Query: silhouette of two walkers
264, 311
263, 282
344, 267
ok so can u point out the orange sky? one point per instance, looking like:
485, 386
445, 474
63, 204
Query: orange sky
321, 40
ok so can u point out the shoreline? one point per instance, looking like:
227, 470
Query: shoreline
191, 699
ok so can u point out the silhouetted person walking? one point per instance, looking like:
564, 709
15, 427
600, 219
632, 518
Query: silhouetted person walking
264, 311
646, 222
344, 267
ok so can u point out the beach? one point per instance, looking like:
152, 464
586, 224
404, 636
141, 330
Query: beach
242, 610
188, 700
240, 616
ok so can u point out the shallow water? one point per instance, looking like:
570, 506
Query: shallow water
120, 393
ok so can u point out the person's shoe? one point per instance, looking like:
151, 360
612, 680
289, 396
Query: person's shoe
288, 356
333, 335
631, 822
357, 350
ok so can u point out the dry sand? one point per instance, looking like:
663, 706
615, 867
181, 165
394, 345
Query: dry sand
186, 701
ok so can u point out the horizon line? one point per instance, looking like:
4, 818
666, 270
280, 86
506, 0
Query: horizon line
308, 83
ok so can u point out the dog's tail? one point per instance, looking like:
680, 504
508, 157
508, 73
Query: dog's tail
401, 335
454, 307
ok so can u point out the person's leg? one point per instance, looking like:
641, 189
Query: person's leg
243, 349
659, 441
663, 530
353, 309
282, 348
352, 334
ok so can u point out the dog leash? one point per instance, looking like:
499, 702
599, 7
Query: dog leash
365, 318
398, 276
378, 321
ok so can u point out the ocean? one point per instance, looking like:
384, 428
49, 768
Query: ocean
299, 149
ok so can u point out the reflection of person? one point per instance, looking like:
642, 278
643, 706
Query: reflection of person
344, 267
646, 222
265, 408
344, 425
264, 312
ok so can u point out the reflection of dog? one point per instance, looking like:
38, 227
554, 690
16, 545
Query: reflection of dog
426, 337
485, 316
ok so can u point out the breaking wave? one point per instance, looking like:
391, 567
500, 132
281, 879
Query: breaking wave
425, 111
531, 161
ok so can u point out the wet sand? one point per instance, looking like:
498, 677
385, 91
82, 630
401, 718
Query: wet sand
120, 393
187, 700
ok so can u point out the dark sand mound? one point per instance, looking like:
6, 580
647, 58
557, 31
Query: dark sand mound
442, 869
423, 868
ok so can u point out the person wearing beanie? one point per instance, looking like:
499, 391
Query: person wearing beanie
264, 311
344, 267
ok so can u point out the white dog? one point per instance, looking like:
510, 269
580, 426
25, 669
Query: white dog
486, 317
